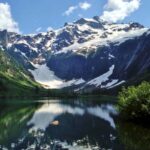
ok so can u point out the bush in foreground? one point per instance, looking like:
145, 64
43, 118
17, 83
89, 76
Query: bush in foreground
134, 102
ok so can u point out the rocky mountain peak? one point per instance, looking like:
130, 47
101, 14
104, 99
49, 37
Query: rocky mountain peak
94, 22
89, 50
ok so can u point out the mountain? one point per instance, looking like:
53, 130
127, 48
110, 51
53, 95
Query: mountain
14, 79
86, 54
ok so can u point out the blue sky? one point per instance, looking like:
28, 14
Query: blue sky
32, 15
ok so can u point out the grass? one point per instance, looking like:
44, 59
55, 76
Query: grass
15, 81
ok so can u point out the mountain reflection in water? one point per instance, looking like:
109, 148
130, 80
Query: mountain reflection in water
62, 125
45, 115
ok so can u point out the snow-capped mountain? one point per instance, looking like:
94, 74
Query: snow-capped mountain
85, 53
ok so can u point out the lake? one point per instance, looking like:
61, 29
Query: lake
72, 124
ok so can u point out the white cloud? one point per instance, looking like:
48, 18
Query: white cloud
84, 5
117, 10
6, 20
70, 10
38, 29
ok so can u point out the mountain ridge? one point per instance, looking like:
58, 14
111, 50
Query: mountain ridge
81, 53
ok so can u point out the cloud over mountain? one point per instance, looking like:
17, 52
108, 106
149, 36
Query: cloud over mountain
117, 10
6, 19
83, 6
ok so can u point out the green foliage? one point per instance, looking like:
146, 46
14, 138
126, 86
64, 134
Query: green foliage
12, 70
134, 102
15, 81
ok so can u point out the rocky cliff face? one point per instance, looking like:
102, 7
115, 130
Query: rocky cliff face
3, 38
88, 52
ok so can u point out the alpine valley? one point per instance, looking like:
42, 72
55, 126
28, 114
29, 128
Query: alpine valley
86, 55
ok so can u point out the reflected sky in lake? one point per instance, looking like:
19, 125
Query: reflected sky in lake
60, 124
48, 112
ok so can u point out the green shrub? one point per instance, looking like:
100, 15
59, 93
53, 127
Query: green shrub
134, 102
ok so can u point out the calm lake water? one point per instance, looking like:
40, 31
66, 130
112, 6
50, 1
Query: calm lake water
67, 125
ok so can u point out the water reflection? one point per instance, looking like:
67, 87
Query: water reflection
71, 125
103, 112
13, 120
45, 115
133, 136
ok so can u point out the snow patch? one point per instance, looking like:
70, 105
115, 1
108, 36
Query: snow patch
80, 81
23, 54
114, 81
43, 75
119, 83
1, 48
99, 80
90, 20
99, 37
111, 56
